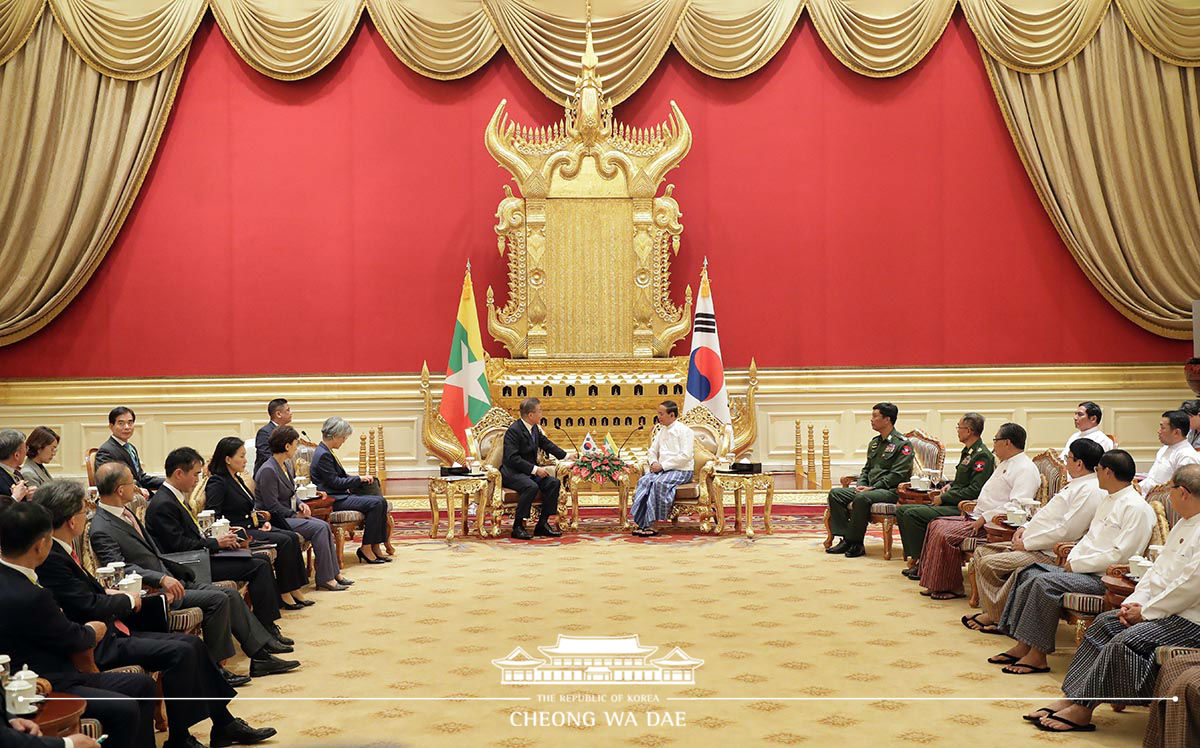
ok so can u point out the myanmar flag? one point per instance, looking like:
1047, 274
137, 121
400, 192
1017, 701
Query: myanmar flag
609, 445
465, 397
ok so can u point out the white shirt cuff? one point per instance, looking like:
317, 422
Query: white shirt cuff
67, 743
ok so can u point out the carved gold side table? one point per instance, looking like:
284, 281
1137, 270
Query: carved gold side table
454, 489
743, 486
622, 484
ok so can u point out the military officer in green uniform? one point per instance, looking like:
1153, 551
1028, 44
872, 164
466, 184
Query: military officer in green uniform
975, 465
889, 462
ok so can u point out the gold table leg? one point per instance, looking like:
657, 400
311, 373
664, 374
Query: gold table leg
450, 497
749, 488
481, 508
434, 512
737, 507
767, 504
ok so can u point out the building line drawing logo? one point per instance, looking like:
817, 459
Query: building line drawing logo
597, 659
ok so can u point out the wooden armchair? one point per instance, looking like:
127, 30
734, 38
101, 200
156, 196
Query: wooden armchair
928, 452
1054, 474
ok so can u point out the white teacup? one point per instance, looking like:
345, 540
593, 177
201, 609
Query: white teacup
220, 528
1138, 565
920, 483
107, 576
1017, 517
118, 568
5, 668
18, 696
131, 584
1154, 551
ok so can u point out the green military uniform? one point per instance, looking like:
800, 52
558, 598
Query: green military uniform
889, 463
975, 466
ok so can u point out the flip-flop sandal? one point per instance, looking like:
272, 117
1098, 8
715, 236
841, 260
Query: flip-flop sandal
926, 593
1004, 658
968, 620
1029, 670
1073, 727
992, 629
946, 595
1037, 717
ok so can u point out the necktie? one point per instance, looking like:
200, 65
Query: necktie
17, 475
132, 455
128, 517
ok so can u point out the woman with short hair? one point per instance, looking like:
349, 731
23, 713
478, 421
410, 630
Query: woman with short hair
351, 492
275, 484
41, 446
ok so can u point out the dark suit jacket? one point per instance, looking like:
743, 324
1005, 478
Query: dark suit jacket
262, 451
35, 632
328, 475
112, 451
520, 450
230, 498
6, 483
173, 527
10, 738
274, 488
114, 540
78, 593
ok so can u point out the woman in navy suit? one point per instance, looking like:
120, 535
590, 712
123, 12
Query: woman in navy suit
351, 492
229, 497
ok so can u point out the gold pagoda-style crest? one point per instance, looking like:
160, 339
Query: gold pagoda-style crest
589, 243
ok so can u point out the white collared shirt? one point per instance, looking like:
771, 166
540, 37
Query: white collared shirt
1120, 529
71, 551
1166, 462
1066, 516
119, 511
1014, 478
1094, 433
29, 574
674, 447
1172, 586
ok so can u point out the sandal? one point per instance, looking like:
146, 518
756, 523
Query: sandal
1029, 670
1072, 726
946, 595
968, 620
1038, 717
1004, 658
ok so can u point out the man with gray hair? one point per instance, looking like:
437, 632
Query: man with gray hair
357, 493
521, 472
12, 456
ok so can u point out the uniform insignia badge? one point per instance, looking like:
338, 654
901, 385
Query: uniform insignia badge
889, 449
980, 465
965, 460
906, 450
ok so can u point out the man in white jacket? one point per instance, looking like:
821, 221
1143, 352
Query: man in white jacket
672, 460
1121, 528
1175, 452
1064, 519
1116, 659
1087, 426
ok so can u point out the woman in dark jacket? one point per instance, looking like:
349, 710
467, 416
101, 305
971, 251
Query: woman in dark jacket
228, 497
351, 492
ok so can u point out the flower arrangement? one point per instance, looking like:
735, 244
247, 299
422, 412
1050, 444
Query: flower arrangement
599, 467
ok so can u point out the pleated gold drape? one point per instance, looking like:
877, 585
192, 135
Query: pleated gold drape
1043, 56
1111, 141
74, 148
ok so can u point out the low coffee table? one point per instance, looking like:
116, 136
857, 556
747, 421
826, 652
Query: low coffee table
59, 714
999, 531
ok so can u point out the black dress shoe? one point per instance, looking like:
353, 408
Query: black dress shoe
519, 532
854, 550
343, 581
269, 664
239, 732
331, 586
233, 679
279, 637
306, 603
362, 558
186, 742
913, 573
841, 547
544, 530
275, 648
291, 606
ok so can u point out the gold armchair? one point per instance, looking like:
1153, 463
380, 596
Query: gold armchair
690, 499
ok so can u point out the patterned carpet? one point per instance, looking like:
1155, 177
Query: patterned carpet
773, 619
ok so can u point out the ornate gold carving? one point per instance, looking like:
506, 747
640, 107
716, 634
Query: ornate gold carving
437, 435
588, 242
742, 415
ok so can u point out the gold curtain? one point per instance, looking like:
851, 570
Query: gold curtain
1111, 141
74, 147
441, 39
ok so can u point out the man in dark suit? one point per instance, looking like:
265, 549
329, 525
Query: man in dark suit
119, 449
280, 414
186, 667
12, 456
521, 473
118, 535
35, 632
175, 530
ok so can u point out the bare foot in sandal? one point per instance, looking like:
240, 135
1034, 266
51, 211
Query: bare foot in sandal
1073, 718
1037, 714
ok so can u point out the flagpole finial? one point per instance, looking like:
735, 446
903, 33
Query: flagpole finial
468, 266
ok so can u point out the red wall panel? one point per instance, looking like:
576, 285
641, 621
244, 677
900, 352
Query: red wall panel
322, 225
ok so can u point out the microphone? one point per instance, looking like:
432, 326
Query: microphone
560, 428
627, 438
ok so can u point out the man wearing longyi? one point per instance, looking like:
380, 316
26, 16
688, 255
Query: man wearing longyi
521, 473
